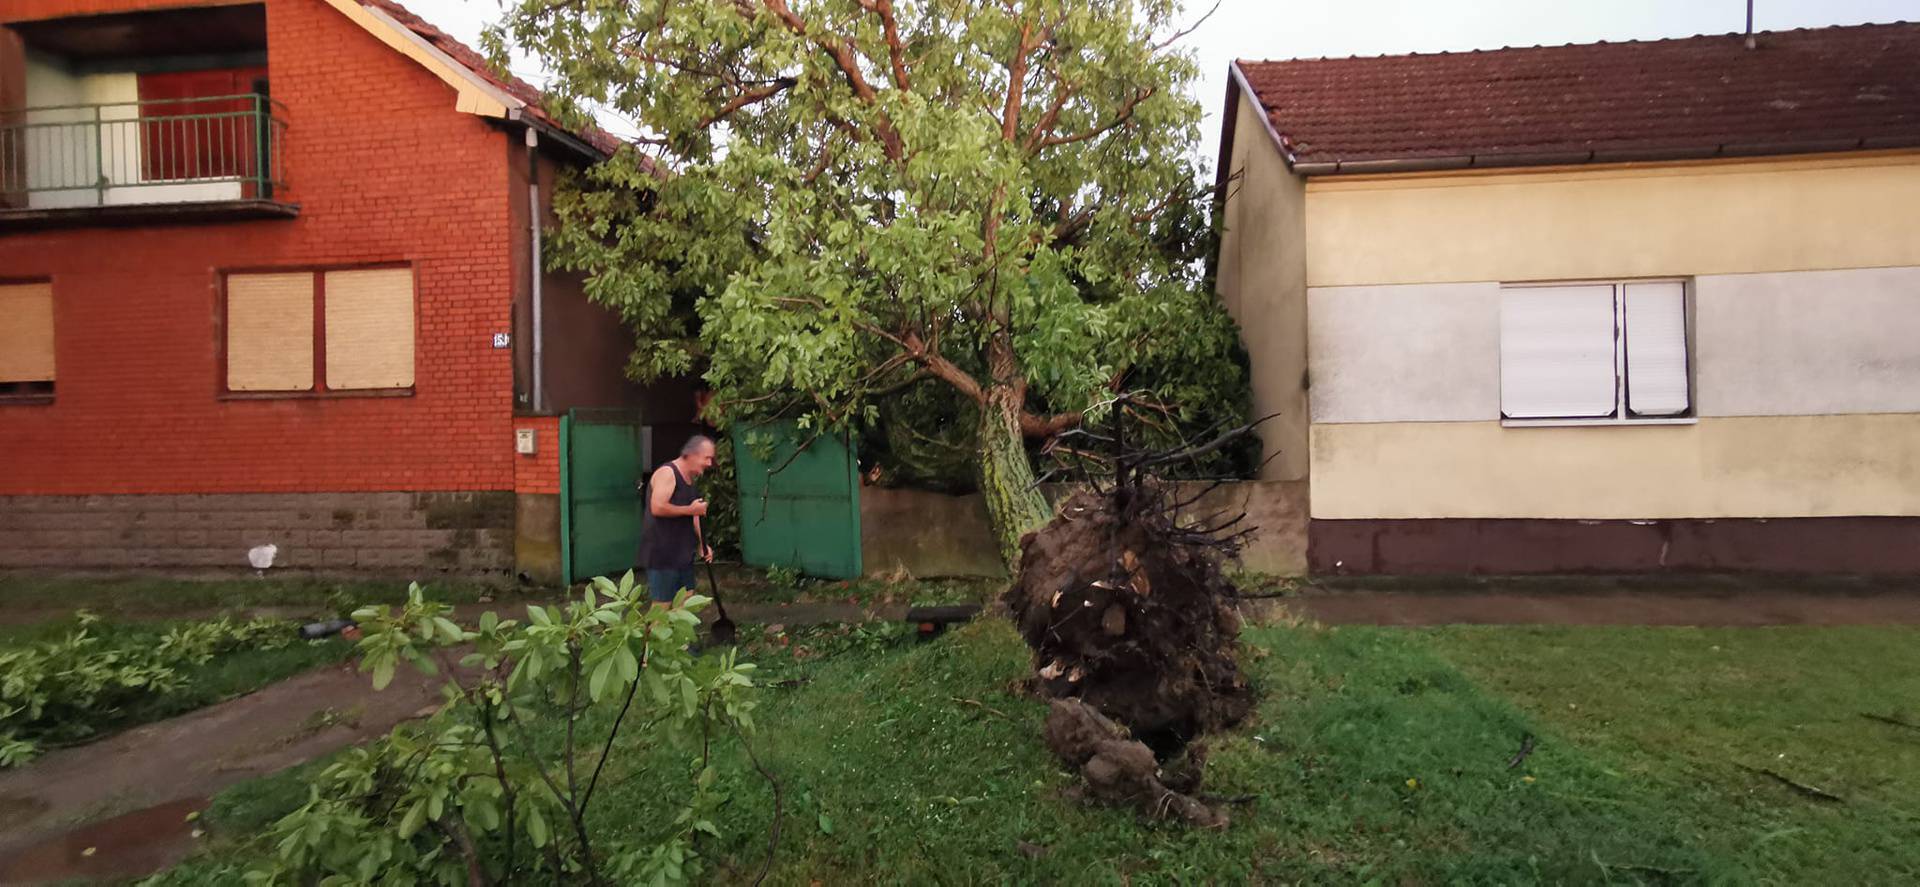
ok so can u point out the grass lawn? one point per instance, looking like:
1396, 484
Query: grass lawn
1376, 755
148, 596
744, 583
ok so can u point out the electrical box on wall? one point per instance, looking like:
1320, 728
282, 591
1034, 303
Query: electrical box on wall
524, 440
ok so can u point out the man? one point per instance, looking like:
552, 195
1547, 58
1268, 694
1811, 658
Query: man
674, 507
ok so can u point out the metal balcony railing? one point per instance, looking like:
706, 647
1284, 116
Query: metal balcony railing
186, 150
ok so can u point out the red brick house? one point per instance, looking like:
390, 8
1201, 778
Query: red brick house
270, 274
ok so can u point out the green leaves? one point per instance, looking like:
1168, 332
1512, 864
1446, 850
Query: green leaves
507, 762
833, 224
65, 689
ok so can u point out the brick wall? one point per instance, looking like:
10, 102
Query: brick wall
540, 472
412, 534
384, 170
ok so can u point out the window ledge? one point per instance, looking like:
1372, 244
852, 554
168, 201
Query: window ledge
315, 395
38, 400
1584, 423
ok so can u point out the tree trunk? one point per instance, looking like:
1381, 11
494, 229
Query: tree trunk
1014, 504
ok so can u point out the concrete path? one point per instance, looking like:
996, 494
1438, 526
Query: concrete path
135, 790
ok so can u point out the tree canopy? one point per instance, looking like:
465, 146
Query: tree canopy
841, 199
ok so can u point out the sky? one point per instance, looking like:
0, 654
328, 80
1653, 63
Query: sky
1284, 29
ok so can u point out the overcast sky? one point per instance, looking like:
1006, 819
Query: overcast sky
1284, 29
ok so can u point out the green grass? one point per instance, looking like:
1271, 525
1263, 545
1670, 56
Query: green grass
146, 597
1375, 756
742, 583
1684, 710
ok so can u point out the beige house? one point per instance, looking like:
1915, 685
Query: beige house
1609, 307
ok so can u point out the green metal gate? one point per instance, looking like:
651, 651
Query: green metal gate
603, 454
799, 509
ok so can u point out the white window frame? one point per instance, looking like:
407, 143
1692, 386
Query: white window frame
1621, 415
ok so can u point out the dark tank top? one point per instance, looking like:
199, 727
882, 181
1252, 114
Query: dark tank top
668, 543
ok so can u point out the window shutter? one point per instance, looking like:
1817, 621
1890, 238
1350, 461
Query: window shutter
369, 328
26, 333
1656, 349
1556, 352
270, 332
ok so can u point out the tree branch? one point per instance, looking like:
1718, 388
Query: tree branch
1047, 426
749, 97
841, 50
896, 51
1016, 83
1125, 114
1175, 36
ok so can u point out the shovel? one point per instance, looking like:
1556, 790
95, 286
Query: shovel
722, 630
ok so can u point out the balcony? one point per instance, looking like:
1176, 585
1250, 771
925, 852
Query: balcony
162, 159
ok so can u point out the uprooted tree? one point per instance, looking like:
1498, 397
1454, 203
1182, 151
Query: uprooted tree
1133, 625
862, 195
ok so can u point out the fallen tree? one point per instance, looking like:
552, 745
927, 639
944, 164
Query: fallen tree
1133, 625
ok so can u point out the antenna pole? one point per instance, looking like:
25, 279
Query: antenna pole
1750, 41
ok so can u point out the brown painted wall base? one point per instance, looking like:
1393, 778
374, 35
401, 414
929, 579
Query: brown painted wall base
1866, 545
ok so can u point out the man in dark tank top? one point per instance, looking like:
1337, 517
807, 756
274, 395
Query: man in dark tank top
672, 538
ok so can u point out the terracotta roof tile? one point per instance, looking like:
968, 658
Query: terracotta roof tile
1819, 89
599, 139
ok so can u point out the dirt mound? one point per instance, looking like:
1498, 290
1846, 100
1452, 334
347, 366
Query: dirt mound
1130, 613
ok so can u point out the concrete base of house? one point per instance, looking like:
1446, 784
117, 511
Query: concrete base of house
412, 534
927, 534
536, 538
1852, 545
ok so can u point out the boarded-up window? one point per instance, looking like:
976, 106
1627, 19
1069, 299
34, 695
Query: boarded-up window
270, 332
369, 328
341, 330
26, 340
1594, 351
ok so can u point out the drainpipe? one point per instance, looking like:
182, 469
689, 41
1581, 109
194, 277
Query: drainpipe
533, 240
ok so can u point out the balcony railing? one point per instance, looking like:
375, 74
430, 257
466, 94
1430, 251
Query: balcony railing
187, 150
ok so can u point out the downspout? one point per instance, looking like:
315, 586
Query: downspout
533, 240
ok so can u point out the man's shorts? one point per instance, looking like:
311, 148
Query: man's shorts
663, 585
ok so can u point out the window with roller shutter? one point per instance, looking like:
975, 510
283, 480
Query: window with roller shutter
26, 341
1594, 352
319, 332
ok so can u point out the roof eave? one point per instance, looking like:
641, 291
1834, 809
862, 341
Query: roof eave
1577, 158
559, 134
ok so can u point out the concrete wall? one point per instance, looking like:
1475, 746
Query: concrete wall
935, 534
1261, 278
926, 534
410, 534
1626, 220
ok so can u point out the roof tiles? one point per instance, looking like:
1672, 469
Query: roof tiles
1821, 89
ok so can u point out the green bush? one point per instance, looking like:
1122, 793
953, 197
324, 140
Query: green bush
70, 688
497, 785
